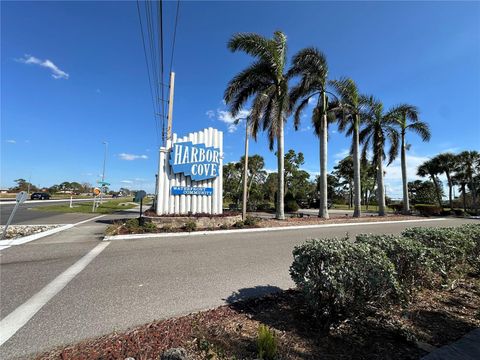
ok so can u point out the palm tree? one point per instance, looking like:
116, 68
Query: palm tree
349, 121
266, 82
379, 127
407, 120
311, 65
447, 163
431, 168
470, 162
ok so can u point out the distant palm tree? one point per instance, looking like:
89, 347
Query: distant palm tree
431, 168
311, 65
470, 163
407, 120
378, 128
447, 163
266, 82
349, 121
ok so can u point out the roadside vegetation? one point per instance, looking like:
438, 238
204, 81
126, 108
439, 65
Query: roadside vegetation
381, 296
108, 206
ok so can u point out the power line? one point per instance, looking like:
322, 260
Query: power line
174, 35
161, 69
148, 71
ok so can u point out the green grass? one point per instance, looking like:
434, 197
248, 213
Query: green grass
108, 206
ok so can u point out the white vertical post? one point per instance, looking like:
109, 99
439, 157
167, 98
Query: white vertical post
220, 175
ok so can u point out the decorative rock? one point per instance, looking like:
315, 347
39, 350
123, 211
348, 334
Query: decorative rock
174, 354
130, 358
16, 231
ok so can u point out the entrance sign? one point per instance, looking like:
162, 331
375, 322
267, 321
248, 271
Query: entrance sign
21, 197
190, 174
189, 190
197, 161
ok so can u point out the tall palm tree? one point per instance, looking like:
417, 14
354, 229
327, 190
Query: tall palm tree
447, 163
266, 82
311, 65
431, 168
408, 120
378, 128
349, 121
470, 162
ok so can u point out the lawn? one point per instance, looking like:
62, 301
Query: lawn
108, 206
373, 208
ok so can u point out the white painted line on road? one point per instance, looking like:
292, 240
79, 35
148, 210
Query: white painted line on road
5, 244
279, 228
21, 315
46, 202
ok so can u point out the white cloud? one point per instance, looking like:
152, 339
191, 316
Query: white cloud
227, 118
11, 141
56, 72
210, 114
130, 157
341, 155
126, 181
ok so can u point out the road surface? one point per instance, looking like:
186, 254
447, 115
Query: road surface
27, 215
126, 283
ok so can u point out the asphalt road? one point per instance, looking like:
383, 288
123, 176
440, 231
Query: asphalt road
27, 215
134, 282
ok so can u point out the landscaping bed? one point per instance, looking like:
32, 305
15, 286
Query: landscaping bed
230, 332
165, 224
17, 231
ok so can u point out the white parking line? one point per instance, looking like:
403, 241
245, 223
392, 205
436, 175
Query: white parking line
21, 315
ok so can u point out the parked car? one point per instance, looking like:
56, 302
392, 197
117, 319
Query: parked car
40, 196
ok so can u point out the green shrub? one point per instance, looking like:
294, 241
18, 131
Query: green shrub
239, 224
428, 210
264, 207
250, 221
132, 224
266, 343
291, 206
190, 226
459, 212
339, 278
449, 247
149, 227
472, 231
412, 260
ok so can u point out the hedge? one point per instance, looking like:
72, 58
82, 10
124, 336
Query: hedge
340, 278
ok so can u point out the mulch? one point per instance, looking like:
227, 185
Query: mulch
436, 317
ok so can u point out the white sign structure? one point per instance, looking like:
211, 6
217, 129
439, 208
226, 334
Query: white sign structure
190, 174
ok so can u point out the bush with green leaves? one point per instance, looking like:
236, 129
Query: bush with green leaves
266, 343
190, 226
449, 247
428, 210
412, 260
340, 279
250, 221
472, 231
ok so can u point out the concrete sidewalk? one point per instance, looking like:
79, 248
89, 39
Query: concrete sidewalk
467, 348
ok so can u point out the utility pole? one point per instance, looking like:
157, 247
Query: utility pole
170, 106
245, 174
104, 160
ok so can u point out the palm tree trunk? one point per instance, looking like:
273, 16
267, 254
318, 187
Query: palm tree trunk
450, 189
474, 195
356, 168
464, 198
245, 175
380, 189
406, 200
323, 208
281, 172
437, 190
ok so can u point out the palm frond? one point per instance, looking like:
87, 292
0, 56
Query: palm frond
422, 129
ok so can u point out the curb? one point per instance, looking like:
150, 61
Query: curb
253, 230
5, 244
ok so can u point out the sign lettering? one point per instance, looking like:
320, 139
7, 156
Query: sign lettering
195, 160
189, 190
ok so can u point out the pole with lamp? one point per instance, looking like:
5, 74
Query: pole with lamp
103, 171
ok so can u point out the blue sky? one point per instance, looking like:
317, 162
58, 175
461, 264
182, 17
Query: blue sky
55, 115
